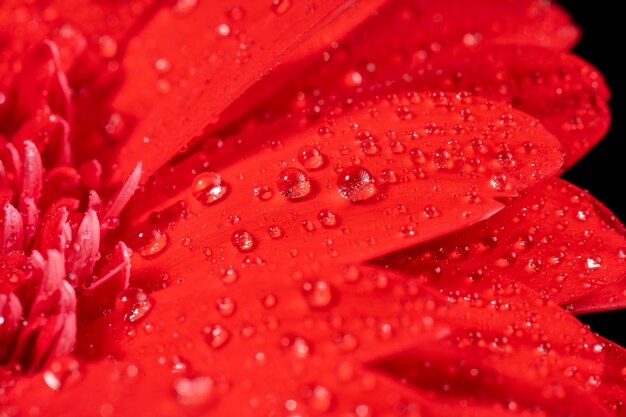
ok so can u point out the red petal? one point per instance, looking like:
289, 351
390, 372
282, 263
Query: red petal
50, 133
40, 85
55, 231
110, 218
613, 388
432, 186
11, 229
83, 253
557, 239
564, 92
11, 313
259, 357
612, 297
113, 280
206, 74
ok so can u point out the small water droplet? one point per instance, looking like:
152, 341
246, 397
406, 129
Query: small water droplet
310, 157
194, 391
216, 336
296, 346
62, 372
356, 184
320, 399
208, 188
225, 306
150, 241
327, 218
243, 240
318, 293
498, 181
229, 275
280, 7
263, 193
293, 183
274, 232
137, 304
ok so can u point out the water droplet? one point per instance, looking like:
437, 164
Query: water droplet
225, 306
296, 346
216, 336
223, 29
318, 293
208, 188
263, 193
162, 65
320, 398
408, 231
229, 275
346, 342
137, 304
269, 300
243, 240
293, 183
327, 218
274, 232
310, 157
149, 241
280, 7
179, 365
356, 184
593, 264
62, 372
498, 181
194, 391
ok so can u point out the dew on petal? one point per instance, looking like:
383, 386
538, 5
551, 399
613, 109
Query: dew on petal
225, 306
280, 7
63, 372
137, 305
293, 183
150, 241
296, 346
318, 293
327, 218
263, 193
243, 240
356, 184
208, 188
310, 157
194, 391
216, 336
274, 232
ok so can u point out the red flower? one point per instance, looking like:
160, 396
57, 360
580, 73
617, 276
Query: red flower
372, 228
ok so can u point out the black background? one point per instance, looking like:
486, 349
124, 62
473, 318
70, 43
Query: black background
602, 170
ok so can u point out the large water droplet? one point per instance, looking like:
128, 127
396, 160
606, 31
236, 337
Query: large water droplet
243, 240
293, 183
208, 188
356, 184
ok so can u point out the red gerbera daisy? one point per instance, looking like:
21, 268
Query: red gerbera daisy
301, 208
